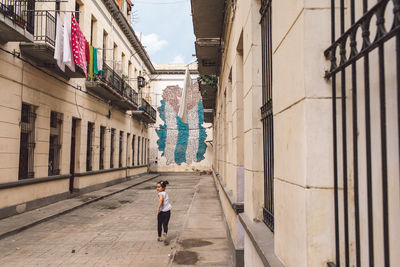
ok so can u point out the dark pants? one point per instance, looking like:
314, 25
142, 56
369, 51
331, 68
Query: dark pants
163, 220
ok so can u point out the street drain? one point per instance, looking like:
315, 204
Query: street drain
193, 242
186, 257
124, 201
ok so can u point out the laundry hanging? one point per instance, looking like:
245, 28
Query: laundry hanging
67, 56
78, 45
90, 69
95, 66
59, 44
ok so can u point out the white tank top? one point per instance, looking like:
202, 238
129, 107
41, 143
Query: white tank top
165, 206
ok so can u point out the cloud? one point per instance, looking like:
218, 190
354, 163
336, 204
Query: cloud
152, 43
178, 60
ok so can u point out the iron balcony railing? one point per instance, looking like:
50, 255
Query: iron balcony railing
149, 109
44, 25
17, 11
109, 76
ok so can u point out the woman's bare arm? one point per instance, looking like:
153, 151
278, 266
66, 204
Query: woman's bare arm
160, 201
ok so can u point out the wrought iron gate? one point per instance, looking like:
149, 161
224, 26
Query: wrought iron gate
365, 66
266, 113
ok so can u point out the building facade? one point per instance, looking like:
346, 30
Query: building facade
305, 128
63, 134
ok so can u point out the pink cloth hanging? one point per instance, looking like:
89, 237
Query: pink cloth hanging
78, 41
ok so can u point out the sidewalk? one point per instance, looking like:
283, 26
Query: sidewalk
18, 223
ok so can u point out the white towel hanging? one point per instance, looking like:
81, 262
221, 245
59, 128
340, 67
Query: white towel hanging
67, 57
58, 47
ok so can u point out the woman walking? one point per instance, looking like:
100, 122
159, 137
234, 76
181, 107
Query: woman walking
163, 211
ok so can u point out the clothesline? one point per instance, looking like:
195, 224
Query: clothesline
72, 49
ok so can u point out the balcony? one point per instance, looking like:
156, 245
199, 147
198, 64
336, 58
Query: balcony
15, 23
41, 51
111, 87
146, 113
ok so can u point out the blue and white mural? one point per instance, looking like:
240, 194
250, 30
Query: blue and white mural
182, 142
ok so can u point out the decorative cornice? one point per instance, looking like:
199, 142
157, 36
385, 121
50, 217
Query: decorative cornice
126, 28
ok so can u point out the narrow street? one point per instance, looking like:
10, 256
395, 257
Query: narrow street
120, 230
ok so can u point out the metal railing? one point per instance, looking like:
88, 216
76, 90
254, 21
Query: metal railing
149, 109
44, 25
364, 92
17, 11
109, 76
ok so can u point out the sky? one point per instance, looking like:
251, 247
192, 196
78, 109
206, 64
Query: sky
166, 29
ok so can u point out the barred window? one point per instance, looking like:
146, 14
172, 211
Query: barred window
112, 148
133, 150
27, 142
55, 143
89, 146
138, 152
266, 113
102, 147
121, 134
128, 159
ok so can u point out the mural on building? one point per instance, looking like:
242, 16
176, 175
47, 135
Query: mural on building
182, 142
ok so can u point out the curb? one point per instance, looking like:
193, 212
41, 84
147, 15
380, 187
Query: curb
22, 228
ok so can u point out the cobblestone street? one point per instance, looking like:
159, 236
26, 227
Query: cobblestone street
120, 230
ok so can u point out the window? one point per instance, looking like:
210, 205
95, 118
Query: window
129, 72
55, 143
77, 11
89, 146
142, 151
102, 147
123, 58
133, 150
27, 142
121, 134
128, 159
138, 150
105, 40
148, 151
114, 59
58, 6
267, 115
112, 148
93, 31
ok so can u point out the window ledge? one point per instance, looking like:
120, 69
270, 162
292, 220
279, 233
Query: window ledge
262, 239
238, 207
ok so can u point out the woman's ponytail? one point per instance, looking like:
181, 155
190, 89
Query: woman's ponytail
163, 183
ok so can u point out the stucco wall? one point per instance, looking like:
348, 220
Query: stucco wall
23, 83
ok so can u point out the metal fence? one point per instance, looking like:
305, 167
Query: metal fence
365, 67
17, 11
267, 115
